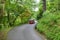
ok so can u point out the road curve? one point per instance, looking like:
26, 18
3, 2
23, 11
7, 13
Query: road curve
24, 32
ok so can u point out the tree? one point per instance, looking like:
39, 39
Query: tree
44, 5
42, 9
15, 8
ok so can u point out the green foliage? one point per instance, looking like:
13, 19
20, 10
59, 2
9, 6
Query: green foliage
17, 21
49, 24
25, 16
14, 13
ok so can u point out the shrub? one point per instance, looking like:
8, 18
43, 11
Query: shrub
49, 24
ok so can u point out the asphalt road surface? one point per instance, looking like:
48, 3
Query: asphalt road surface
23, 32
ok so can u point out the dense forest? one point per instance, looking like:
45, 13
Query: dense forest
49, 24
18, 12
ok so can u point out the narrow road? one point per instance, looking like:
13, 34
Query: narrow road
24, 32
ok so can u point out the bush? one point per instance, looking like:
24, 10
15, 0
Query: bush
17, 21
49, 24
25, 17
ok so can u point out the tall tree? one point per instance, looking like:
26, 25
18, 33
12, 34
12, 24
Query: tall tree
42, 10
2, 3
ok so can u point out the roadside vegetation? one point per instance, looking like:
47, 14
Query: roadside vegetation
12, 13
49, 24
46, 12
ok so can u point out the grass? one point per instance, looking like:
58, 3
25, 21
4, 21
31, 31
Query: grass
3, 33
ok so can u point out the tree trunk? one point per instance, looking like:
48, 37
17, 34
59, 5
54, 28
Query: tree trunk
44, 5
42, 11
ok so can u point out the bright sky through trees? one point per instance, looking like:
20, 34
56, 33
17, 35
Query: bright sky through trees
37, 1
36, 8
